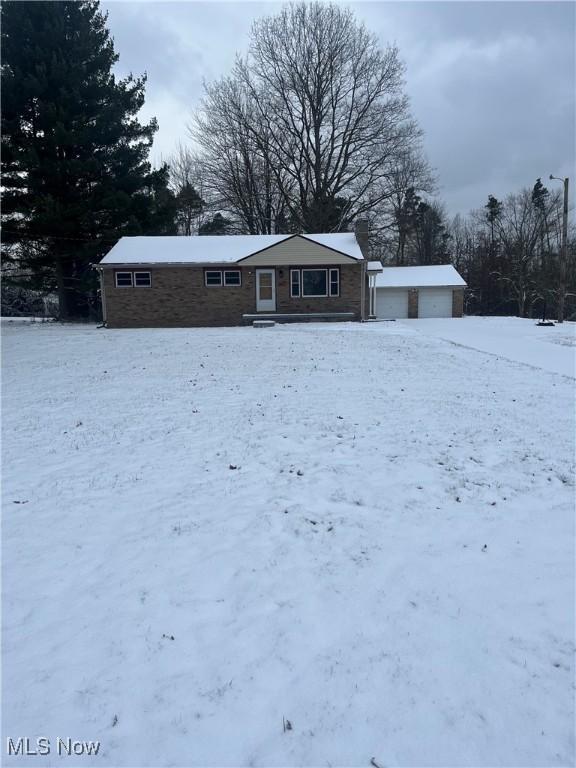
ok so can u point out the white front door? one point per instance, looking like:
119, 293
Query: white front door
266, 290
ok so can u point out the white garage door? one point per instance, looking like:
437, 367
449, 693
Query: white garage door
435, 302
391, 303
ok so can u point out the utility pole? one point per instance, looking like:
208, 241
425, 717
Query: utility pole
563, 251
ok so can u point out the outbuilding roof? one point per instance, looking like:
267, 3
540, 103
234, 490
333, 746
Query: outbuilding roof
420, 277
217, 249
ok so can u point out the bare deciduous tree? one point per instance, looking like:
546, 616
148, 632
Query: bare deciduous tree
321, 105
188, 185
517, 228
238, 169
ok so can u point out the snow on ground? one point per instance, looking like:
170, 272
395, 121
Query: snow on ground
511, 337
363, 530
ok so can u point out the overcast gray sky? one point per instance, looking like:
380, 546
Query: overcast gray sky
492, 84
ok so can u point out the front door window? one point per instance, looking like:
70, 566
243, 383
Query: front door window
265, 290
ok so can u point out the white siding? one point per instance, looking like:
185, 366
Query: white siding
297, 250
391, 303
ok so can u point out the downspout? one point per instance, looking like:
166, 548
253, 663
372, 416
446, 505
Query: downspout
102, 294
361, 232
363, 292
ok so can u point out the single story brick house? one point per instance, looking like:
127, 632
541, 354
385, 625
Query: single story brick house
225, 280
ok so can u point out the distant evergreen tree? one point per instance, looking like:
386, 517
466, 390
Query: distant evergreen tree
406, 218
76, 174
493, 212
490, 289
540, 195
189, 206
541, 202
335, 212
432, 238
217, 225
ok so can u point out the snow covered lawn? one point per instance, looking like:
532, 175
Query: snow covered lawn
363, 531
549, 347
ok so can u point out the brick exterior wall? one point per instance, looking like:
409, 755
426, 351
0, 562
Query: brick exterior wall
458, 302
178, 297
348, 301
413, 303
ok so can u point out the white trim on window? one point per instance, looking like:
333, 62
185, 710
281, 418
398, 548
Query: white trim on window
314, 295
334, 282
222, 275
124, 275
147, 277
295, 284
233, 272
217, 272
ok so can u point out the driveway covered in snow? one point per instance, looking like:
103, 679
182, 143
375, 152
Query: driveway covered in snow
364, 532
552, 348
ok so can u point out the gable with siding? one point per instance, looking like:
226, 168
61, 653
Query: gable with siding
296, 250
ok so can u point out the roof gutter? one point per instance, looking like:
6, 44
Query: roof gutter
445, 285
163, 264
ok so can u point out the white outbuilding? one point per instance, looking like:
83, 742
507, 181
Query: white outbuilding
412, 292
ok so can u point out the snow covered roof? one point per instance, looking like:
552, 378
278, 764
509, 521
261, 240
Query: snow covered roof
344, 242
419, 277
375, 266
219, 249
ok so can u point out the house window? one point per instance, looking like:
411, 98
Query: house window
142, 279
213, 278
123, 279
314, 282
334, 282
228, 277
232, 277
294, 283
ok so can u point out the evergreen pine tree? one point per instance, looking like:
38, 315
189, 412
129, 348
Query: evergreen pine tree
540, 195
189, 206
432, 239
76, 171
217, 225
491, 289
493, 212
406, 219
541, 201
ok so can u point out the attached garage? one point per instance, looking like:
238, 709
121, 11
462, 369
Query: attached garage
435, 302
392, 303
418, 292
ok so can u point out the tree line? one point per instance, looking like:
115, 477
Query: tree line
309, 132
510, 253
